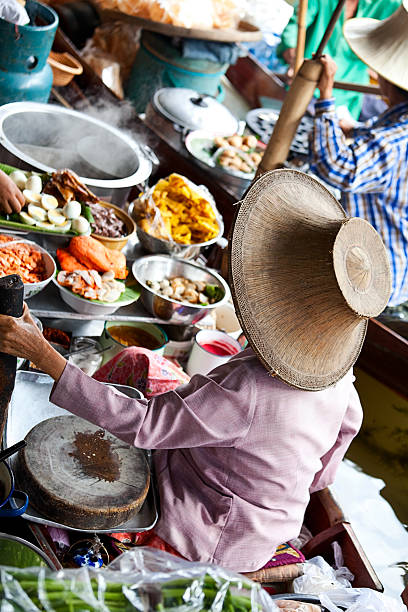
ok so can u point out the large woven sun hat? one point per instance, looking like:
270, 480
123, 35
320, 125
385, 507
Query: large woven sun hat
305, 278
382, 44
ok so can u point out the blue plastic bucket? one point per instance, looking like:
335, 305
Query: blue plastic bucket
24, 72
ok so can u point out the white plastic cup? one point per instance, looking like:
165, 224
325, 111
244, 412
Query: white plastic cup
201, 360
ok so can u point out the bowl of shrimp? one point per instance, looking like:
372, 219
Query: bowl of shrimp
178, 291
31, 262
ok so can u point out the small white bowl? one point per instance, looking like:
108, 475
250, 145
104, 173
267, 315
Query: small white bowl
31, 289
88, 307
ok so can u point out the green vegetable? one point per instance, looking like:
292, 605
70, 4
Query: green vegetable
87, 213
214, 292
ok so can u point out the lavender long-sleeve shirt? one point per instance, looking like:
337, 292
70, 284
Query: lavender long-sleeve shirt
238, 453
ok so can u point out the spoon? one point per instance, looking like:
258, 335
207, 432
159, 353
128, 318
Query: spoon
12, 449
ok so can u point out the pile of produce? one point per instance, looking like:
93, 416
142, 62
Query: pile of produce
22, 259
174, 209
89, 269
65, 595
185, 290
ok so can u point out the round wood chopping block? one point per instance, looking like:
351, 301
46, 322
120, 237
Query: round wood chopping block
78, 474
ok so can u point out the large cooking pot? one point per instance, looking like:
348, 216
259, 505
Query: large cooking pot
46, 137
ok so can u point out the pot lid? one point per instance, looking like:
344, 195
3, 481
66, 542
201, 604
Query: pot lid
195, 111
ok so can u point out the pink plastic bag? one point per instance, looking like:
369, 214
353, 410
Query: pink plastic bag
143, 369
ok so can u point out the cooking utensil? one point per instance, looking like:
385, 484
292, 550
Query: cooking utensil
87, 349
5, 454
158, 267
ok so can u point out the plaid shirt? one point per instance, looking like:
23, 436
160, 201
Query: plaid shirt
372, 174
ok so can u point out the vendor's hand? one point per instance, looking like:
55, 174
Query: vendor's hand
20, 336
325, 85
346, 126
11, 198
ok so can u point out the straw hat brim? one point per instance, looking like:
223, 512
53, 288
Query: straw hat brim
382, 44
287, 299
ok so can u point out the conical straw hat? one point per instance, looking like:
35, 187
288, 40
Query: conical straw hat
382, 45
304, 278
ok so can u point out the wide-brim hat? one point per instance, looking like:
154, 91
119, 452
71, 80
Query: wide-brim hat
382, 44
305, 279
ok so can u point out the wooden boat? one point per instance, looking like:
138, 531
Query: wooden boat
324, 517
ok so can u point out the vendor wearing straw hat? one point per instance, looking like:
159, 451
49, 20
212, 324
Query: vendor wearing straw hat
240, 450
371, 170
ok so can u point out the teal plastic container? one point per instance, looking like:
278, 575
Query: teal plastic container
24, 72
158, 64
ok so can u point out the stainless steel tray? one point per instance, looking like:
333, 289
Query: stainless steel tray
29, 406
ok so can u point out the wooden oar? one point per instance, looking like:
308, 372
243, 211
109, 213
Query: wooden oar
301, 37
295, 103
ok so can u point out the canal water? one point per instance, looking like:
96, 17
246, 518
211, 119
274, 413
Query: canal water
372, 489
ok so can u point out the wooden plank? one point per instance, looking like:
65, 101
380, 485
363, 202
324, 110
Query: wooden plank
385, 356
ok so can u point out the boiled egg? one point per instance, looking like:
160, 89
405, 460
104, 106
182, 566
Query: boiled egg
55, 216
36, 212
72, 210
34, 183
80, 225
45, 225
31, 196
19, 178
65, 227
25, 218
48, 201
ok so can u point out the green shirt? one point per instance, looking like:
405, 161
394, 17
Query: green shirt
350, 68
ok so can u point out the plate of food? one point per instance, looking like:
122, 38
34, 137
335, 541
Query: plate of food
32, 263
236, 155
60, 204
177, 217
93, 279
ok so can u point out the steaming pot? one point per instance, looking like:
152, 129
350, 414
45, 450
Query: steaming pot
24, 72
46, 137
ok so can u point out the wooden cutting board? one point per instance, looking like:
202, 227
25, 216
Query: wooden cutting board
78, 474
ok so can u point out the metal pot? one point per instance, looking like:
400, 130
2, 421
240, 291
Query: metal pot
46, 137
158, 267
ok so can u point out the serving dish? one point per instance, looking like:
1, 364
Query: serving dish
31, 289
262, 121
37, 387
151, 329
96, 307
200, 145
117, 243
158, 267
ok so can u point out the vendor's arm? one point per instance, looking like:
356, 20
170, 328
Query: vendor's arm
11, 198
208, 411
349, 429
21, 337
361, 166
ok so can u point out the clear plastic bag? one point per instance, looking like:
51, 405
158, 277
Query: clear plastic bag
13, 12
360, 600
318, 576
140, 579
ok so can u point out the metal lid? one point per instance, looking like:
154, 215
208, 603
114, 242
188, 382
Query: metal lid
195, 111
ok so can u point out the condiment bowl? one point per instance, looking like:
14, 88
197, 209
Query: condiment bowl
158, 267
154, 330
117, 243
31, 289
